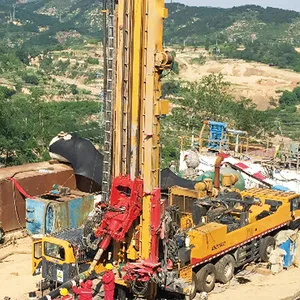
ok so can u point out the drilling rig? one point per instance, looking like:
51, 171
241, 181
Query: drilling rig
183, 242
134, 64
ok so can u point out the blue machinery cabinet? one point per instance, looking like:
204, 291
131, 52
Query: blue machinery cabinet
289, 247
217, 136
54, 212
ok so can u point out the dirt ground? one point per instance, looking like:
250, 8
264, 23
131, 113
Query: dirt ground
15, 271
17, 282
282, 286
255, 81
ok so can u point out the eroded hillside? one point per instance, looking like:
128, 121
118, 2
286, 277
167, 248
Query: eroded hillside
259, 82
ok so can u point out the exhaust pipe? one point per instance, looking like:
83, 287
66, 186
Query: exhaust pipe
218, 163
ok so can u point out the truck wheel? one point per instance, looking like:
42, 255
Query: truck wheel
266, 247
225, 268
206, 278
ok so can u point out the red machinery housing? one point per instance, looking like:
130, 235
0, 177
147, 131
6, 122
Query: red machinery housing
125, 207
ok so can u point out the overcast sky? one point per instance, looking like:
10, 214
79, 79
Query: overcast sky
287, 4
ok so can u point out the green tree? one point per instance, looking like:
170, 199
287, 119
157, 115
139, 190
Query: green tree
93, 61
207, 44
288, 98
171, 87
74, 89
30, 78
6, 92
175, 67
23, 56
47, 64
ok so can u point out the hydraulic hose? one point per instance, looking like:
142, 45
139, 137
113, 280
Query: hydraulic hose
68, 285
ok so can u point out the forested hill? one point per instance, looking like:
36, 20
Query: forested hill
250, 32
47, 23
200, 25
43, 91
37, 19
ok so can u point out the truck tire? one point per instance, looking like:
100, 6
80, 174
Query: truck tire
206, 278
265, 248
225, 268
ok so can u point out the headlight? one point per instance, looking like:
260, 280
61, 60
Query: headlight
187, 241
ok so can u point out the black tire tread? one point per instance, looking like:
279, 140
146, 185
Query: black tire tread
201, 278
220, 267
265, 243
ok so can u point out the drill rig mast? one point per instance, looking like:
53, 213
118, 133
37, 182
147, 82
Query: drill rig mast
134, 62
135, 117
109, 61
140, 60
132, 143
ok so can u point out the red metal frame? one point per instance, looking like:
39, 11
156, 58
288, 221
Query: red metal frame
144, 269
125, 207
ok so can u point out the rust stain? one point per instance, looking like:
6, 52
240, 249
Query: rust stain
86, 207
12, 210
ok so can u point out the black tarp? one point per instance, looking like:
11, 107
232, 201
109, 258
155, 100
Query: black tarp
169, 179
86, 161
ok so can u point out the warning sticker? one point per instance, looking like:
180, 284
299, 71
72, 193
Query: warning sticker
60, 276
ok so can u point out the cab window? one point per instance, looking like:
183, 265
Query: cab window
55, 251
295, 204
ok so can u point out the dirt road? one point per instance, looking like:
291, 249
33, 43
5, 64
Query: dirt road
93, 89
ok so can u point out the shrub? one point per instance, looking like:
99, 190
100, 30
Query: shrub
30, 78
93, 61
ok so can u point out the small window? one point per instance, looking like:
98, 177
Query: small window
55, 251
38, 250
295, 204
